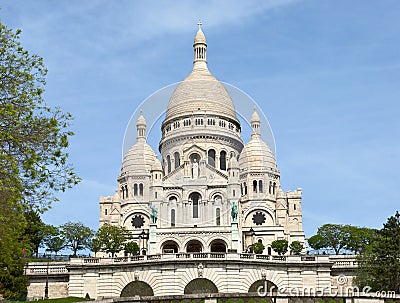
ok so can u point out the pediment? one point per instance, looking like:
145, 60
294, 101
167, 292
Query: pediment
193, 148
207, 175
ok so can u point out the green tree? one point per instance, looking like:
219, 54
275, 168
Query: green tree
296, 247
13, 245
53, 239
360, 238
76, 236
317, 242
112, 238
94, 245
257, 248
335, 236
34, 230
280, 246
33, 157
380, 266
33, 137
131, 248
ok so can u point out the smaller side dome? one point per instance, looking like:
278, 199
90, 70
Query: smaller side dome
257, 155
140, 159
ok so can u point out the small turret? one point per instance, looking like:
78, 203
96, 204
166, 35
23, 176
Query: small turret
141, 128
255, 122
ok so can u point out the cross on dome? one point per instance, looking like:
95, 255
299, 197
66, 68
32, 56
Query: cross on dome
200, 48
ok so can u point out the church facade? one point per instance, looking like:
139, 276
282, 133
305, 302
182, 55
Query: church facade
209, 192
195, 213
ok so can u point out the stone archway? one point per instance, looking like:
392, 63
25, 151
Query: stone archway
137, 288
218, 246
271, 287
200, 286
194, 246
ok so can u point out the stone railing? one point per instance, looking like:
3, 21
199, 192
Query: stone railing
344, 261
44, 268
202, 256
60, 268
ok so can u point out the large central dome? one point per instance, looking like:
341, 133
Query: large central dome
200, 91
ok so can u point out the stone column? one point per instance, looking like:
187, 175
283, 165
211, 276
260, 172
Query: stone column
152, 250
235, 236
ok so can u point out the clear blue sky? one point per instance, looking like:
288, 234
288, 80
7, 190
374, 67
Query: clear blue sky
326, 74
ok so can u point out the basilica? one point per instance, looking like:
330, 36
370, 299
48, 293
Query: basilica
209, 191
197, 212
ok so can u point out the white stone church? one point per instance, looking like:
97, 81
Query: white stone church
210, 192
196, 211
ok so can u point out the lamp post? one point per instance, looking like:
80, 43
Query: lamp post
360, 249
252, 234
46, 287
143, 236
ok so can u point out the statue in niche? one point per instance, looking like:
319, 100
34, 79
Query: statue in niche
234, 212
154, 214
195, 169
200, 270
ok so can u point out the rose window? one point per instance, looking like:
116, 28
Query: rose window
259, 218
137, 221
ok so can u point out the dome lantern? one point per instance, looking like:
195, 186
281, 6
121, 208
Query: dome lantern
200, 48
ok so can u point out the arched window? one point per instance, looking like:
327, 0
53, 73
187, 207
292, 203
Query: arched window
141, 189
294, 206
168, 164
211, 157
270, 187
218, 199
255, 186
177, 160
260, 186
172, 217
273, 188
123, 192
222, 160
135, 189
241, 189
105, 212
126, 191
195, 197
218, 216
245, 188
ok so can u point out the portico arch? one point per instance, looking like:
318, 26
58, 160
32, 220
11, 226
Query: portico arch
200, 286
218, 245
194, 246
170, 247
137, 288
